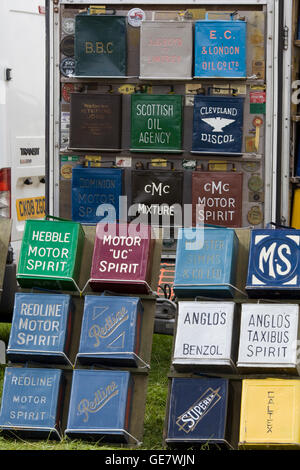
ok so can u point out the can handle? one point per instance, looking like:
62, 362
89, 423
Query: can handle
87, 164
199, 167
100, 11
232, 15
210, 165
161, 161
281, 226
49, 216
174, 15
230, 90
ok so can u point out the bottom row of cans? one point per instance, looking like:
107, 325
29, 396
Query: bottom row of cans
100, 403
199, 410
265, 413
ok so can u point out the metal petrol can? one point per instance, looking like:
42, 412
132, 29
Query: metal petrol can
95, 121
156, 123
274, 268
100, 405
270, 414
219, 197
31, 402
110, 332
269, 338
166, 49
50, 254
220, 48
205, 263
158, 196
204, 336
198, 411
41, 328
218, 125
100, 46
122, 258
96, 191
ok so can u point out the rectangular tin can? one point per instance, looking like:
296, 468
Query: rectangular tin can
218, 125
220, 49
100, 45
166, 50
31, 402
219, 196
205, 263
274, 264
100, 405
94, 191
158, 195
110, 332
41, 328
198, 411
205, 336
268, 338
156, 123
122, 258
95, 121
50, 254
270, 414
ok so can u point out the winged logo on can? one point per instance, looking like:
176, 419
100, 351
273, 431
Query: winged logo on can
218, 123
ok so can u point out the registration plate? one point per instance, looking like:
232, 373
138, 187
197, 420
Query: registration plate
31, 208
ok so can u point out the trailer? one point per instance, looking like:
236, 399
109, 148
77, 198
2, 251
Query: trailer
167, 114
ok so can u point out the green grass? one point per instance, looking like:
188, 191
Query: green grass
154, 413
157, 392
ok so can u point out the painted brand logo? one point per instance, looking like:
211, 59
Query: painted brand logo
108, 324
159, 189
268, 260
276, 259
218, 123
188, 421
100, 398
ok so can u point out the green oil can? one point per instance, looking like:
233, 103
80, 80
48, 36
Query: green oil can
50, 255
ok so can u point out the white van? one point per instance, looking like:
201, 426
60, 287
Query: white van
22, 116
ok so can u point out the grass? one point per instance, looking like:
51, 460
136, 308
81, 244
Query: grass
157, 391
154, 413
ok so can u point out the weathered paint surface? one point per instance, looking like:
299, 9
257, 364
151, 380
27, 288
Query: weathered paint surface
205, 262
204, 333
40, 327
268, 336
198, 410
30, 400
50, 254
110, 331
270, 412
220, 49
99, 403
